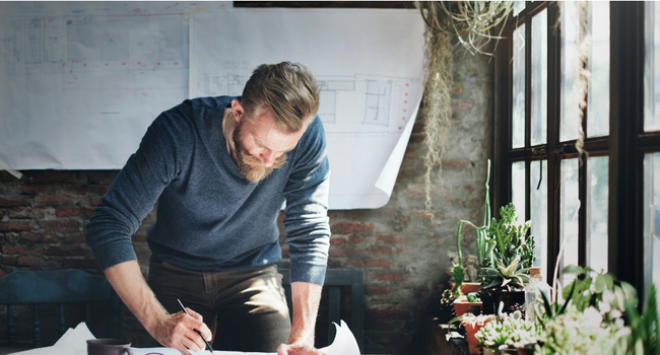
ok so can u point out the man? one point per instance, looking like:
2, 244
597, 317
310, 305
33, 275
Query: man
221, 169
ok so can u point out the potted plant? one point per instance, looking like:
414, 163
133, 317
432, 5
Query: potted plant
472, 325
467, 303
485, 245
512, 255
506, 334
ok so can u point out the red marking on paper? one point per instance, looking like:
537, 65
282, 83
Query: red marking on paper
406, 94
139, 63
85, 64
63, 64
399, 127
405, 101
176, 63
407, 84
403, 118
106, 64
123, 63
158, 63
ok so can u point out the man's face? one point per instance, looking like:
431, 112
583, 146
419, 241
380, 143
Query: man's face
260, 146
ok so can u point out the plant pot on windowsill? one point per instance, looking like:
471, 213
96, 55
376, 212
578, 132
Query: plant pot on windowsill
470, 287
526, 350
464, 307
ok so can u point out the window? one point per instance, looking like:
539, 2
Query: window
603, 207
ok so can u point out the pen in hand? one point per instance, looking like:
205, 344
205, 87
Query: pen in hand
196, 331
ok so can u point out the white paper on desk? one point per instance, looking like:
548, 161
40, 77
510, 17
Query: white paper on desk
367, 63
344, 344
72, 342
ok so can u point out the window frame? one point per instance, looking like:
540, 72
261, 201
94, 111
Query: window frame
625, 146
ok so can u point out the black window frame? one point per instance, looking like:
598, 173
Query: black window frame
625, 146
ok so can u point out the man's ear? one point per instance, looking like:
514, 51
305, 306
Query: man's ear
238, 110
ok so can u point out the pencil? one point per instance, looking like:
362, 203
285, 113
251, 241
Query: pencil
196, 331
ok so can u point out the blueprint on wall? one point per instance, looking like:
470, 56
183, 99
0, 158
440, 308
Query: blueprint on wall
80, 82
368, 64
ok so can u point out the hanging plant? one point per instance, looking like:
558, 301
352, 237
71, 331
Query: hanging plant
471, 23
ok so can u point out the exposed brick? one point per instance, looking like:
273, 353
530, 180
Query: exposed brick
90, 263
95, 200
457, 90
79, 238
14, 226
355, 239
417, 138
2, 273
59, 225
10, 260
382, 251
40, 188
78, 250
30, 261
13, 249
53, 176
348, 228
139, 237
454, 164
368, 263
388, 314
56, 201
14, 201
468, 188
337, 241
67, 212
28, 213
391, 277
334, 263
388, 239
87, 212
377, 290
41, 237
341, 252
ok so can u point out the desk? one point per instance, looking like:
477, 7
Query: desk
5, 351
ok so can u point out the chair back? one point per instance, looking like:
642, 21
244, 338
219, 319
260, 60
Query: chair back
59, 287
334, 279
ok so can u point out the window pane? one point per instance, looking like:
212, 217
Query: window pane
518, 6
518, 188
568, 126
652, 218
539, 77
518, 112
568, 214
652, 68
598, 118
597, 192
539, 210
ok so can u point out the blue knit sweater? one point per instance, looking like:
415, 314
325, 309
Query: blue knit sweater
210, 217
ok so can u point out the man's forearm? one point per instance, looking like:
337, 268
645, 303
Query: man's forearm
305, 298
126, 278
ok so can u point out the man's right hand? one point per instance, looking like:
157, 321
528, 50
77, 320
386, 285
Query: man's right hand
176, 331
171, 330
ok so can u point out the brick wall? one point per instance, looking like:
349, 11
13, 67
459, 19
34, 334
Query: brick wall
403, 251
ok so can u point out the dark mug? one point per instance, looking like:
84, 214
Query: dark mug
108, 347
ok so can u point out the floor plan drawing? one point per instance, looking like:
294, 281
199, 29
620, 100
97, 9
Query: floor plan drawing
377, 102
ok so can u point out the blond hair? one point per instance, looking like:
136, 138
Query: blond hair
288, 89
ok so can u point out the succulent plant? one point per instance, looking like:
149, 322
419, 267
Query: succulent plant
447, 311
505, 277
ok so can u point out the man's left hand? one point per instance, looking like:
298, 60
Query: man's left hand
297, 349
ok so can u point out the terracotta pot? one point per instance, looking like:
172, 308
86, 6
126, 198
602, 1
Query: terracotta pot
469, 287
526, 350
471, 329
463, 307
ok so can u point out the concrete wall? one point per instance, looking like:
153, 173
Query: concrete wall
403, 252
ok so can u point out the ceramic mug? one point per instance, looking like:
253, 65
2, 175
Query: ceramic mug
108, 347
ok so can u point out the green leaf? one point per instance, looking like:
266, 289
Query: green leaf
547, 305
601, 283
568, 299
573, 269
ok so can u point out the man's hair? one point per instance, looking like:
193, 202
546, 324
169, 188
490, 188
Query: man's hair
288, 89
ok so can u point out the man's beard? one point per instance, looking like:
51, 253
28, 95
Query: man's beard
250, 166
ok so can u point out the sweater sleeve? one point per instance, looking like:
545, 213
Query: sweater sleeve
306, 222
165, 148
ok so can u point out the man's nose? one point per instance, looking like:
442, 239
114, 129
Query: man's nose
268, 157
